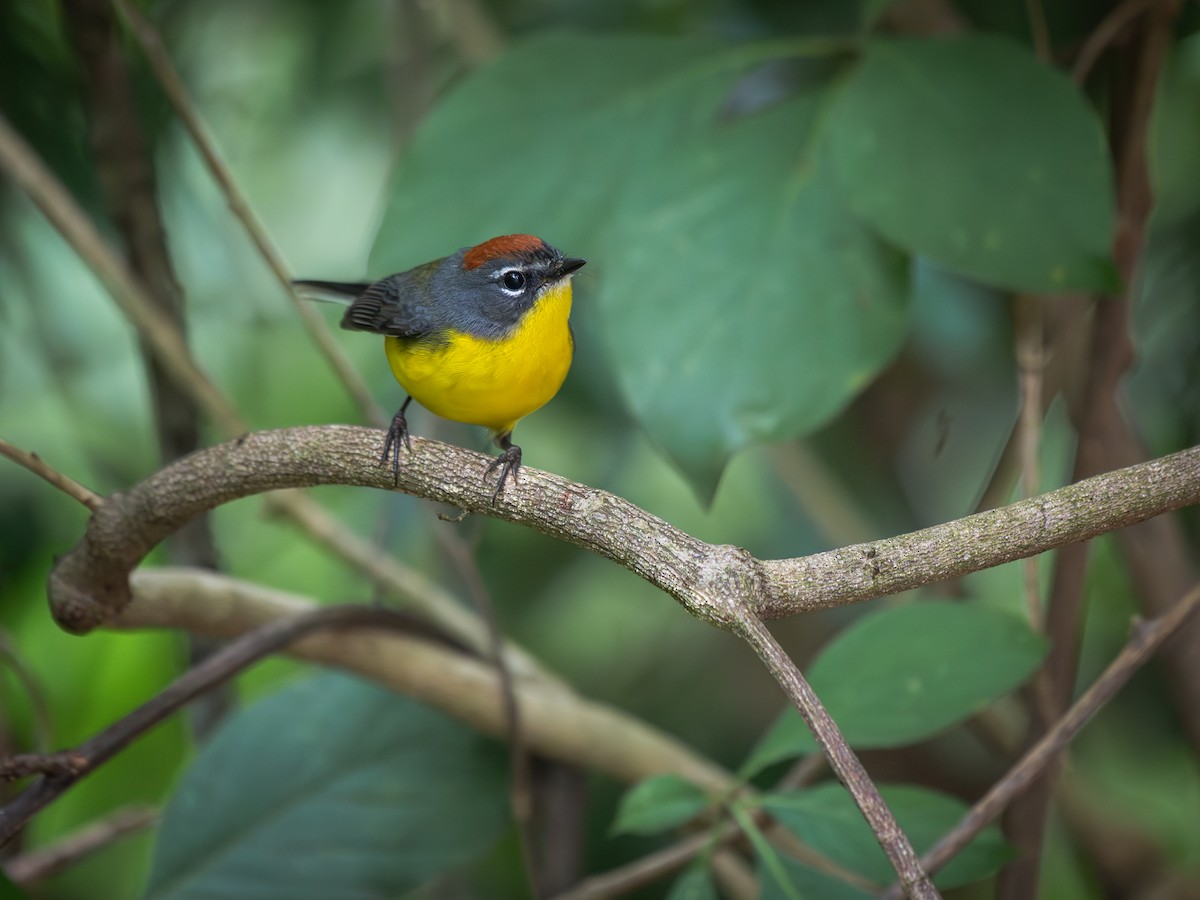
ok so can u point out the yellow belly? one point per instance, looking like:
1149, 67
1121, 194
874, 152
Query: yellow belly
491, 383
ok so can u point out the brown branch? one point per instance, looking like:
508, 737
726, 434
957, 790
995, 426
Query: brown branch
1118, 19
42, 725
212, 672
160, 63
19, 161
90, 584
1148, 637
122, 155
558, 722
45, 471
1031, 364
842, 759
1110, 356
38, 865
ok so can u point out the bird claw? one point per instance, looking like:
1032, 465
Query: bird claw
397, 434
509, 463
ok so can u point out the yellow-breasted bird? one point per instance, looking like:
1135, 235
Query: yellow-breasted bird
481, 336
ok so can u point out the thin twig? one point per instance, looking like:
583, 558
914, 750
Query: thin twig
213, 671
20, 161
1037, 27
1030, 368
1148, 637
164, 70
1109, 357
43, 727
1109, 29
821, 493
38, 865
842, 759
44, 470
520, 789
649, 868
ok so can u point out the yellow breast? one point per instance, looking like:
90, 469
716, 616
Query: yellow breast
486, 382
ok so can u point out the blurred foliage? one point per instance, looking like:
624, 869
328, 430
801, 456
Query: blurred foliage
796, 234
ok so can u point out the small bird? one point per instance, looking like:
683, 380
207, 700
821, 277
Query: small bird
481, 336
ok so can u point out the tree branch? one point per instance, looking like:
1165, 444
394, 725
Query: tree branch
90, 584
74, 764
557, 722
1148, 637
51, 475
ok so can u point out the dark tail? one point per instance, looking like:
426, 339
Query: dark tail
344, 292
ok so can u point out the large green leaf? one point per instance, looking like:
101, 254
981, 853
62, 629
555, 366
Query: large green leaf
826, 819
749, 304
975, 154
739, 298
904, 674
332, 788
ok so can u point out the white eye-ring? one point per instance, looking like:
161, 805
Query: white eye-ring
512, 281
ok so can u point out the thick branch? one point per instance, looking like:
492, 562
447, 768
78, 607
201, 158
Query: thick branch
90, 584
556, 721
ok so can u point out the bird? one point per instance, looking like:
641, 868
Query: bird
481, 336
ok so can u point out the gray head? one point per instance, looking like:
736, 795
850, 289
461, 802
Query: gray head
486, 289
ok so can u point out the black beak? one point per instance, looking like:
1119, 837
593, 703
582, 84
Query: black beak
565, 266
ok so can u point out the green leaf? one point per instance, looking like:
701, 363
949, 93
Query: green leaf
768, 859
739, 298
826, 819
975, 154
749, 305
903, 674
1174, 144
331, 788
696, 883
811, 884
659, 803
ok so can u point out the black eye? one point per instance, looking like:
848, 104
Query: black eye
513, 280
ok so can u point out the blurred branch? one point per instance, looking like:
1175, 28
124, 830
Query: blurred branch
820, 493
44, 470
469, 27
1097, 417
70, 766
18, 160
42, 724
1031, 363
1118, 19
1148, 637
160, 63
37, 865
558, 723
129, 192
520, 785
1038, 29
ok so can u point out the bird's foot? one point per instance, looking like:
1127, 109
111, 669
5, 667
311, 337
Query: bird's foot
508, 462
397, 434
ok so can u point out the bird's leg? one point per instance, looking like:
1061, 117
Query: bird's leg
397, 434
507, 462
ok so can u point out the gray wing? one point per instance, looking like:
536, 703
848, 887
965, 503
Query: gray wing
394, 305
